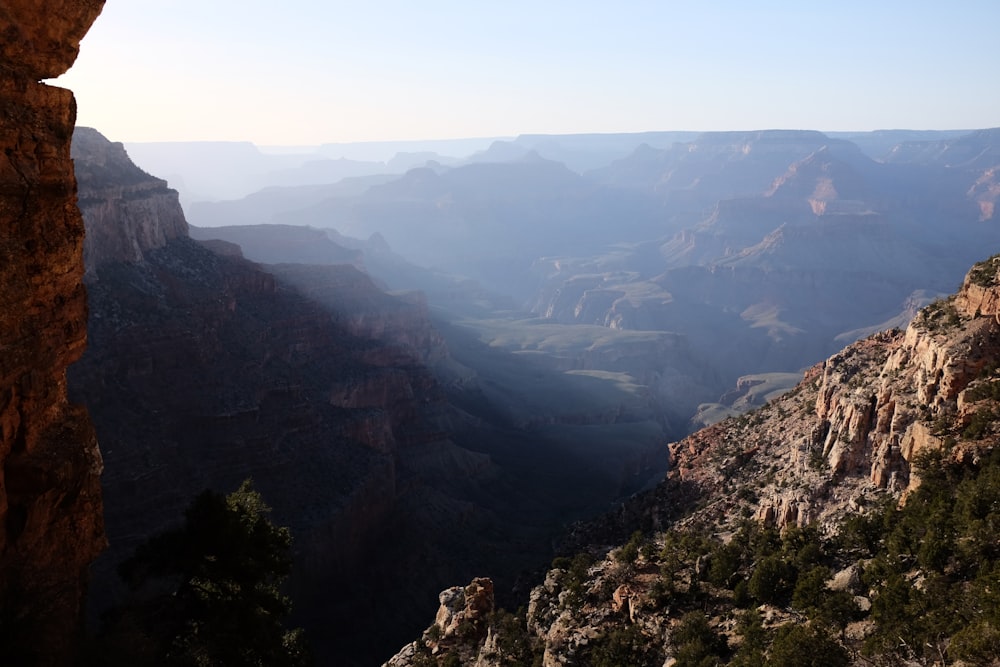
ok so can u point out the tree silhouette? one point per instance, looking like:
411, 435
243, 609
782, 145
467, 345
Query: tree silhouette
208, 593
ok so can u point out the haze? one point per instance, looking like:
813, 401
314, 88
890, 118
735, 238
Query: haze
306, 72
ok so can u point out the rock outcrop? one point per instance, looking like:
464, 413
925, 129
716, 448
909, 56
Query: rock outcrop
461, 625
128, 212
50, 502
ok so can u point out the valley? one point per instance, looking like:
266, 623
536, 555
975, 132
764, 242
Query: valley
761, 252
733, 262
372, 440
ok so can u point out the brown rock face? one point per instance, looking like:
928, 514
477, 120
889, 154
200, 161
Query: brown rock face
50, 501
460, 625
980, 293
470, 604
42, 37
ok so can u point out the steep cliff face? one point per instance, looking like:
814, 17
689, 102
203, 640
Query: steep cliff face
204, 370
855, 424
50, 501
128, 212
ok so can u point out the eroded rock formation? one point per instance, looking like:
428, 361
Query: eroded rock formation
50, 501
461, 622
128, 212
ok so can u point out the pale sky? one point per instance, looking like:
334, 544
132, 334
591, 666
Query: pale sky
312, 71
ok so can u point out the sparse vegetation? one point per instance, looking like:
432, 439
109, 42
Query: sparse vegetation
947, 537
980, 424
984, 391
932, 567
806, 646
515, 646
624, 645
575, 575
984, 274
696, 643
939, 315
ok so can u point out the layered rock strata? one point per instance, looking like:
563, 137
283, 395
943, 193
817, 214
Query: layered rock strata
50, 501
128, 212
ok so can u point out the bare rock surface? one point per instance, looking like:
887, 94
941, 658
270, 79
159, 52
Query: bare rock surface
50, 501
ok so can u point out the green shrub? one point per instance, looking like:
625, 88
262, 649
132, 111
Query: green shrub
806, 646
772, 581
810, 589
696, 644
983, 391
980, 424
629, 552
751, 651
624, 646
978, 644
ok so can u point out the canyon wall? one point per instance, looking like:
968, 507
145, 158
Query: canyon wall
50, 501
128, 212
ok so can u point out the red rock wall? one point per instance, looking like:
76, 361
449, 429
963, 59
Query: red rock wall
51, 524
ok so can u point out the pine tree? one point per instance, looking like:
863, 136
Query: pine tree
208, 593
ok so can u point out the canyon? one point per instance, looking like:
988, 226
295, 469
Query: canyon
378, 447
451, 366
558, 370
758, 252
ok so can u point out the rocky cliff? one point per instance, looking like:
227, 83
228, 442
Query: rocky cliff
804, 474
128, 212
50, 501
852, 428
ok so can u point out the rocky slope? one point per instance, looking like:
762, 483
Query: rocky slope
50, 501
843, 443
